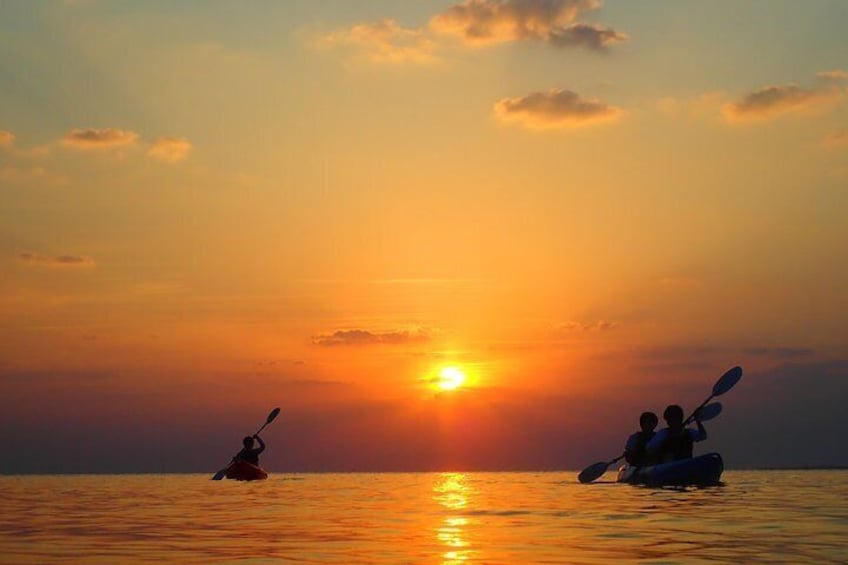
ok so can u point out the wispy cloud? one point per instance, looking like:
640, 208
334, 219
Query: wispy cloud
774, 101
836, 75
7, 138
836, 139
170, 149
365, 337
480, 22
556, 108
7, 143
93, 138
56, 260
385, 41
779, 352
599, 326
22, 174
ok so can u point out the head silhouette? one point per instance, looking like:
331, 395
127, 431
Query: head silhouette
648, 421
247, 442
673, 415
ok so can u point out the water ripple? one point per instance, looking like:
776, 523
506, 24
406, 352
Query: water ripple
448, 518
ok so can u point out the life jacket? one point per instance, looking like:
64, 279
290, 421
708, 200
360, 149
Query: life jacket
639, 454
677, 445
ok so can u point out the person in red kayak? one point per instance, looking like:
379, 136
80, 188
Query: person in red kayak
676, 441
636, 452
248, 452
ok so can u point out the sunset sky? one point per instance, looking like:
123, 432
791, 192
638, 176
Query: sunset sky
586, 209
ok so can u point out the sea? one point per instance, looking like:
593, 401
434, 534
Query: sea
429, 518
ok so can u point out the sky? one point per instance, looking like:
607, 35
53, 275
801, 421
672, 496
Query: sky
579, 209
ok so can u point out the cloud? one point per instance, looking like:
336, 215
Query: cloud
837, 75
783, 353
93, 138
170, 149
595, 37
7, 138
385, 41
599, 326
364, 337
7, 142
773, 101
13, 174
56, 260
483, 22
556, 108
836, 139
655, 363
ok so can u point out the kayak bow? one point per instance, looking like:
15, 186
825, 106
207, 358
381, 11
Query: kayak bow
243, 471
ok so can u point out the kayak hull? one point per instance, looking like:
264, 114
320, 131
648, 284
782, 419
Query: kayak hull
244, 471
704, 470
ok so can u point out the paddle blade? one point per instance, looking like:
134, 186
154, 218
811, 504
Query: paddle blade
593, 472
220, 474
727, 381
710, 411
274, 413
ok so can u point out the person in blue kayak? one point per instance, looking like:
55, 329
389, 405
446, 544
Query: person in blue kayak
636, 449
248, 452
676, 441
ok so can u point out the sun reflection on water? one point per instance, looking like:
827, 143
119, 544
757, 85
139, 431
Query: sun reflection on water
452, 492
445, 519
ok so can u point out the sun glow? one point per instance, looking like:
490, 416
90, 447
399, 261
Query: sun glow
450, 378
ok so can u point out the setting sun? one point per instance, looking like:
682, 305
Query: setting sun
450, 378
437, 237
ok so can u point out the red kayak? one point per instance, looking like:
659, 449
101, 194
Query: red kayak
243, 471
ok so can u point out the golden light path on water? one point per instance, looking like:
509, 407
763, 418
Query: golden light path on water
452, 493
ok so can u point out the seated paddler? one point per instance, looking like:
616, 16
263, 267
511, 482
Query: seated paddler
675, 441
636, 449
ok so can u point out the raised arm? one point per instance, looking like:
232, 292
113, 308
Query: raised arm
701, 433
261, 444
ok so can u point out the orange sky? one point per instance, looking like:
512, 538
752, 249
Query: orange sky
589, 209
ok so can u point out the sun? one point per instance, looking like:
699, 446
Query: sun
450, 378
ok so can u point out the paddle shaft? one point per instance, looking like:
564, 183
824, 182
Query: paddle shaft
692, 416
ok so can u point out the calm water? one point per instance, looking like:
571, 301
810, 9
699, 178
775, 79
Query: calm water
430, 518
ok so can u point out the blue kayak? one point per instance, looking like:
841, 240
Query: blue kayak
704, 470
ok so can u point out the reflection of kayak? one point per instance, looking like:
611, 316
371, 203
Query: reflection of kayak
698, 471
244, 471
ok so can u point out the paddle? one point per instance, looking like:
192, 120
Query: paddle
595, 470
707, 413
274, 413
726, 382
